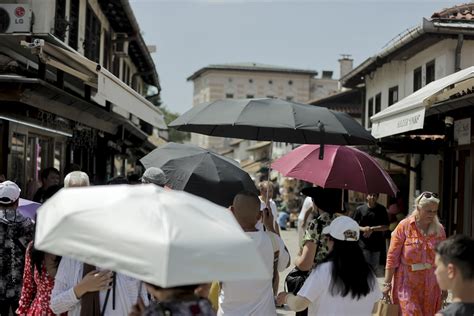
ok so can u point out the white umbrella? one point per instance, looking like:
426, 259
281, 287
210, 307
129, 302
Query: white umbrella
167, 238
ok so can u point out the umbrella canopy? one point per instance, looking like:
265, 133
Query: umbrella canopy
28, 208
275, 120
200, 172
164, 237
342, 167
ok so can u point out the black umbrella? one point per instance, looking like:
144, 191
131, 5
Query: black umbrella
275, 120
200, 172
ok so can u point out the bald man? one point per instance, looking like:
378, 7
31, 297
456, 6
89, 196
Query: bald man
254, 297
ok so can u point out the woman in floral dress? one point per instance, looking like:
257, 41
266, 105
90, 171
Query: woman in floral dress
38, 277
409, 273
37, 285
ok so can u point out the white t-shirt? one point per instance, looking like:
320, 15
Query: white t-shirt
273, 207
317, 289
307, 204
254, 297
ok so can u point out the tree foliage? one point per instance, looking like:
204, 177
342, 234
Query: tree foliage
173, 134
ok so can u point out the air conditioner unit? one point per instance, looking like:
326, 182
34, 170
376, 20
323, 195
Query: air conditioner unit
15, 18
121, 44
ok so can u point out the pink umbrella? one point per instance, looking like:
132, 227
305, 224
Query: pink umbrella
342, 168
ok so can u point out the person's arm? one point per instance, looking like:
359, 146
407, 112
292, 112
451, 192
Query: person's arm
65, 295
305, 260
393, 257
268, 221
295, 302
306, 216
378, 228
63, 298
283, 257
28, 290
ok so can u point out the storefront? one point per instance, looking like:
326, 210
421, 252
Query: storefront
434, 126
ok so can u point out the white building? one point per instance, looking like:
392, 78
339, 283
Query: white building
417, 159
74, 75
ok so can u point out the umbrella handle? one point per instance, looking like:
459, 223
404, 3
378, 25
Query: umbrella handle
321, 147
114, 278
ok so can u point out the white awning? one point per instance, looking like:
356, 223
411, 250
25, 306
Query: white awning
108, 87
409, 113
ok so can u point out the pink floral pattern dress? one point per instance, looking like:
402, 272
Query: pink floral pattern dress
417, 292
36, 290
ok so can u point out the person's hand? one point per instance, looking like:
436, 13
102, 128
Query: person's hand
268, 219
138, 308
366, 230
281, 298
94, 281
386, 287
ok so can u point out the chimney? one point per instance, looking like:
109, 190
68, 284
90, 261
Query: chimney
327, 74
346, 64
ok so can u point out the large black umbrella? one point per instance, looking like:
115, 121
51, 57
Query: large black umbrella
275, 120
200, 172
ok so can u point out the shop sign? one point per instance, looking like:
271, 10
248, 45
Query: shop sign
462, 131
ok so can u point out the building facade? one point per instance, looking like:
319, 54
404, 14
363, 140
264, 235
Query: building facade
425, 157
74, 76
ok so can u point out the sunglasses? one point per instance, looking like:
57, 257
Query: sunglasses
428, 195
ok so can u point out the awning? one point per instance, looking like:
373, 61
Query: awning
46, 97
409, 113
108, 87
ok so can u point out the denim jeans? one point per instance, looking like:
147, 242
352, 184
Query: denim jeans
373, 258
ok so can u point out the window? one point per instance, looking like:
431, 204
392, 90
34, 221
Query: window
290, 82
60, 23
18, 158
430, 71
289, 98
73, 23
250, 96
116, 66
126, 73
378, 103
370, 111
270, 96
270, 81
106, 57
92, 38
392, 95
229, 95
250, 80
416, 79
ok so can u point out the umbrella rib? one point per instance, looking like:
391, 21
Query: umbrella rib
365, 180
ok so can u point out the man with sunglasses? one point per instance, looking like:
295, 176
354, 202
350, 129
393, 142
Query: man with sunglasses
373, 220
16, 232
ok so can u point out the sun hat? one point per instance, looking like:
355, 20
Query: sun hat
343, 228
9, 192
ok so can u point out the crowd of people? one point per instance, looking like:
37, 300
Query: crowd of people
335, 270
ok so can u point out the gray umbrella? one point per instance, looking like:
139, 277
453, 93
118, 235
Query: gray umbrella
275, 120
200, 172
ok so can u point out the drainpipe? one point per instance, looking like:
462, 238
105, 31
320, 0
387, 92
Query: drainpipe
457, 57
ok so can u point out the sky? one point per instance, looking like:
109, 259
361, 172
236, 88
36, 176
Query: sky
192, 34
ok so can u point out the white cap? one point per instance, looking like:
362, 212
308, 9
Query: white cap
9, 192
154, 175
343, 228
